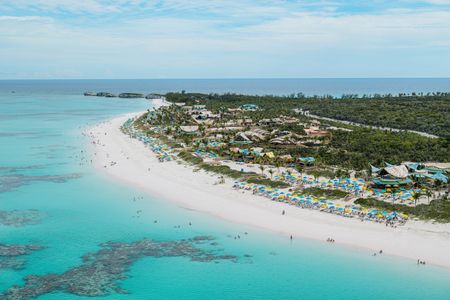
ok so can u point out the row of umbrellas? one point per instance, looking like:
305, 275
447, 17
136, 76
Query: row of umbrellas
163, 151
322, 202
347, 184
403, 194
205, 154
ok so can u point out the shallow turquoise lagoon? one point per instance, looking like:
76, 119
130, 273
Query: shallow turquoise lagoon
43, 167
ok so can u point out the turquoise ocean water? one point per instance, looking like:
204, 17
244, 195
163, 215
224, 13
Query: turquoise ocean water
76, 209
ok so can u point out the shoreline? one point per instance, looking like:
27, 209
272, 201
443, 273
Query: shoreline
137, 166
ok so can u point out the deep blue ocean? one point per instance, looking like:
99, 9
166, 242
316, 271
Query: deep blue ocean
313, 86
55, 208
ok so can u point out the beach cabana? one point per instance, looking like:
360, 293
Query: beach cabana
395, 171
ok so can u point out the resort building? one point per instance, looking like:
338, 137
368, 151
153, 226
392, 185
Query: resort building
315, 131
199, 107
249, 107
234, 110
403, 174
189, 130
301, 111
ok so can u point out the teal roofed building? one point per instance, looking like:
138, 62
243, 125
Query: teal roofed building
402, 174
441, 177
249, 107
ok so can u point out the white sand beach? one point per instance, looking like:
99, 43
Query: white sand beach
138, 166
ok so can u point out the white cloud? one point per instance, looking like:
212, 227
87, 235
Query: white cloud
24, 19
242, 8
93, 6
438, 2
406, 29
392, 43
219, 7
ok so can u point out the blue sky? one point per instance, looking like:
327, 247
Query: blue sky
223, 39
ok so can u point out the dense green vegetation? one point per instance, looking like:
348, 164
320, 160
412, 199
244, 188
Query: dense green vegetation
267, 182
438, 209
188, 157
428, 113
361, 146
319, 192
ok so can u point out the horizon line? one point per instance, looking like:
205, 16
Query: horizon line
219, 78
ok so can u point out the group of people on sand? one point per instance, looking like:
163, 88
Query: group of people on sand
379, 252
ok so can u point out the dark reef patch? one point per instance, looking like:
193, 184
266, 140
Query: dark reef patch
10, 255
12, 263
17, 250
28, 134
8, 183
100, 271
20, 168
20, 217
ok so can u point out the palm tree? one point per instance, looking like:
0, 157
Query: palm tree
416, 197
437, 184
278, 165
261, 167
271, 173
428, 193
